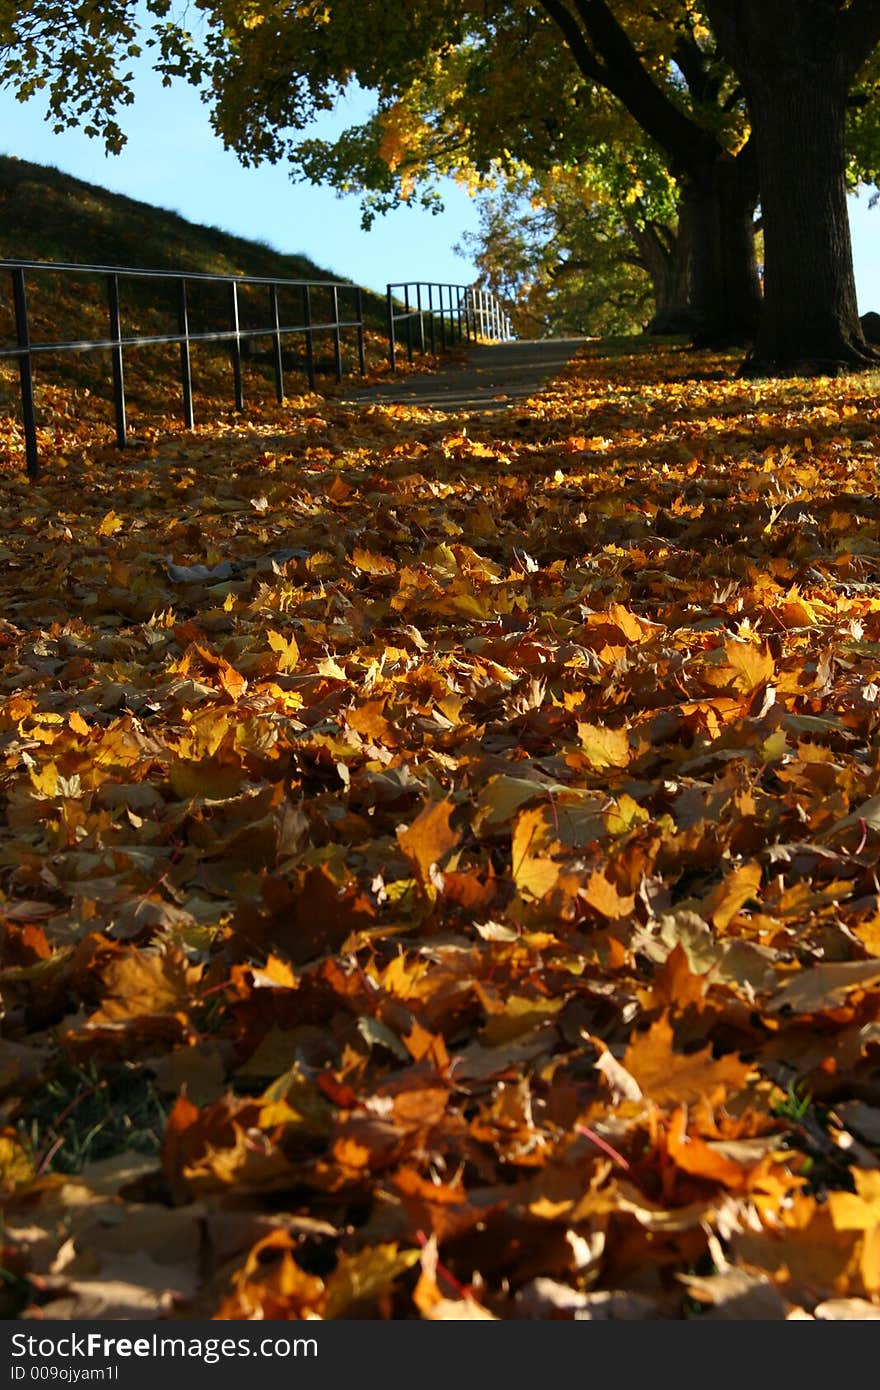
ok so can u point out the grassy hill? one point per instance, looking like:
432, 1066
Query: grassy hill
49, 216
46, 215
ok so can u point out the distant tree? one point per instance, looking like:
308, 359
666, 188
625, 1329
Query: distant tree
557, 277
567, 259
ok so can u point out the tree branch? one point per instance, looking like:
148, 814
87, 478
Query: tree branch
605, 54
859, 34
580, 49
686, 142
692, 62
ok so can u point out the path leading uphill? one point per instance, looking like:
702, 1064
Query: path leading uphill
493, 376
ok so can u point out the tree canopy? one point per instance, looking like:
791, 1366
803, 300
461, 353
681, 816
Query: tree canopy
560, 260
476, 89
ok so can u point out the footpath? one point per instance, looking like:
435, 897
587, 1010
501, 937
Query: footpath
493, 376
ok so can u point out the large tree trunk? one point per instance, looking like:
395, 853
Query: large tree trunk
718, 205
719, 191
796, 59
705, 276
810, 310
666, 256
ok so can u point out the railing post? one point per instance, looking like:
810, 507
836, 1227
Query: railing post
116, 360
359, 310
458, 310
392, 345
442, 321
276, 344
25, 372
185, 363
236, 346
310, 337
337, 339
421, 320
431, 325
409, 336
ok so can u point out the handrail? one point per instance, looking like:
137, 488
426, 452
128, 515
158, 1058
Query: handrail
25, 349
431, 311
455, 312
146, 273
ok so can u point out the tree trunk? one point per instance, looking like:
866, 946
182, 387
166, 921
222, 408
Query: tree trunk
796, 60
718, 205
810, 313
705, 276
666, 256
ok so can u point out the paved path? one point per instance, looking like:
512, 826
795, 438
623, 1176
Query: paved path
494, 376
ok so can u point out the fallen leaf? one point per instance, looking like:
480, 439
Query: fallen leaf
667, 1077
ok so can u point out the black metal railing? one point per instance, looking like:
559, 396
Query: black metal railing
25, 349
433, 314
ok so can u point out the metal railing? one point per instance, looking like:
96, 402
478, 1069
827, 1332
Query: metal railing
435, 313
116, 342
491, 319
435, 316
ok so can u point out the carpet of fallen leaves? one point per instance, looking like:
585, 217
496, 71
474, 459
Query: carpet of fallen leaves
464, 836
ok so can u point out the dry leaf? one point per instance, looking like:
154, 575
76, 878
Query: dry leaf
667, 1077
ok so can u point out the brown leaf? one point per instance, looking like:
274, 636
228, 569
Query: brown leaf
818, 987
735, 889
672, 1078
139, 984
429, 839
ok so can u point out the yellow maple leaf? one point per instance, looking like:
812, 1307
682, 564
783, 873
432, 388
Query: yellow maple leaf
751, 666
45, 779
534, 873
735, 889
110, 524
859, 1210
369, 562
604, 896
286, 649
604, 747
429, 838
667, 1077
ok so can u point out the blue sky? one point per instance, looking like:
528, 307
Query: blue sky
174, 160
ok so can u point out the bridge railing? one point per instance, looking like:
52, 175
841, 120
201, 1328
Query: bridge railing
426, 315
347, 315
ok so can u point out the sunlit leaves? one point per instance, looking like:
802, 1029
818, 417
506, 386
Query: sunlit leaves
473, 849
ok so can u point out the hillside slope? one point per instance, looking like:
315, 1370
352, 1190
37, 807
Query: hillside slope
46, 215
